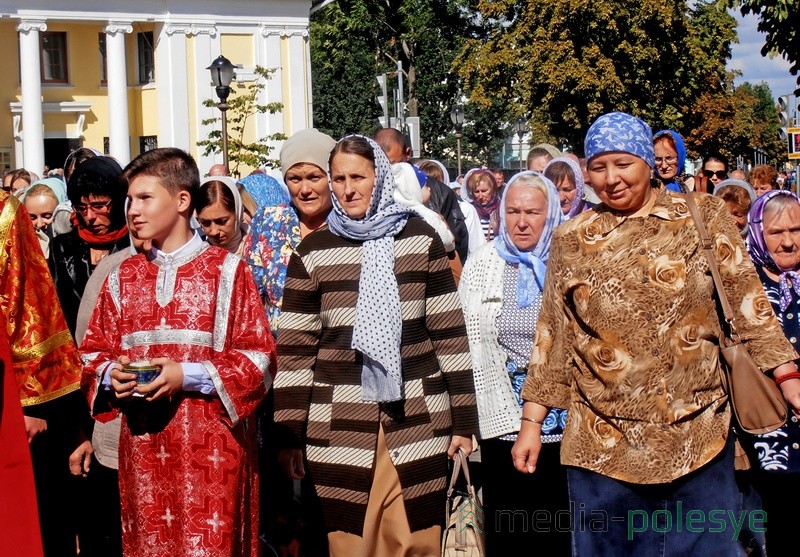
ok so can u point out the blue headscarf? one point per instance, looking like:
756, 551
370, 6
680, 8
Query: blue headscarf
56, 185
680, 147
620, 132
265, 190
377, 332
532, 269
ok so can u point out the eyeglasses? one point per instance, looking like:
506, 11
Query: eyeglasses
668, 160
721, 174
97, 207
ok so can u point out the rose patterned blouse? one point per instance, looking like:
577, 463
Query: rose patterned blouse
628, 336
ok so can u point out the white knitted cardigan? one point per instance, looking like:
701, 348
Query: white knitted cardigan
481, 293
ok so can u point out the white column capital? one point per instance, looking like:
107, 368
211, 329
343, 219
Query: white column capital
115, 27
191, 29
28, 25
284, 31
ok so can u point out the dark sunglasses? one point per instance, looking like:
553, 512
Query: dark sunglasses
721, 174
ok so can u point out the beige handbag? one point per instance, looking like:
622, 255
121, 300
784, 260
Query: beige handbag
463, 533
757, 402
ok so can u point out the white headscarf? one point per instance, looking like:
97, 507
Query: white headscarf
238, 210
409, 193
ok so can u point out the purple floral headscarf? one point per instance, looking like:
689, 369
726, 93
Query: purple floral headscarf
759, 252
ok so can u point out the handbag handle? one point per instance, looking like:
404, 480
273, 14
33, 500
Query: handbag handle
459, 464
708, 251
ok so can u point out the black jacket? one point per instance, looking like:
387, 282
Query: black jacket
445, 202
70, 265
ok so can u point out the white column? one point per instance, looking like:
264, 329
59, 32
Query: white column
298, 77
31, 84
268, 55
172, 85
206, 49
119, 144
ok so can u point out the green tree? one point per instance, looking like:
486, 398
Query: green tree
352, 41
242, 107
778, 19
562, 63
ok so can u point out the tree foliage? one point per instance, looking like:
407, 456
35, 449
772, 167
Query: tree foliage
242, 107
562, 63
778, 19
352, 41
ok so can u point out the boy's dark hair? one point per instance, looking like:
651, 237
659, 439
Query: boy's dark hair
174, 168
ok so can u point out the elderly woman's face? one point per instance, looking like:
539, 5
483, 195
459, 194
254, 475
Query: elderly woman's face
566, 194
483, 191
666, 159
526, 214
782, 236
739, 214
621, 181
353, 181
308, 186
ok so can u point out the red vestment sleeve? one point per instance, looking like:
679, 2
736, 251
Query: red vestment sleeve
243, 370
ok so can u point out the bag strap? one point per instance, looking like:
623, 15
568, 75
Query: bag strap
708, 251
459, 464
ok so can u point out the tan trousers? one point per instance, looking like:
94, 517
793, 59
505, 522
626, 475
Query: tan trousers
386, 530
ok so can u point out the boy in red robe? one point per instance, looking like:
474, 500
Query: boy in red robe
187, 456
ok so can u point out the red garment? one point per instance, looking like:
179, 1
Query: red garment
19, 518
187, 467
46, 362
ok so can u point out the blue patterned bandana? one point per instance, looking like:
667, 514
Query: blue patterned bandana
620, 132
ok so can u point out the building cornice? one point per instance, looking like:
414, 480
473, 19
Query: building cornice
191, 29
284, 31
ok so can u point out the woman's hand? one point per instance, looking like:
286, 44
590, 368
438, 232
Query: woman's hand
291, 460
457, 443
80, 459
34, 426
525, 452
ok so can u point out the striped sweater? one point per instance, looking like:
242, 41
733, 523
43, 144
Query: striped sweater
318, 386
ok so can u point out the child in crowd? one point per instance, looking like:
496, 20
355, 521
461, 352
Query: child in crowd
187, 455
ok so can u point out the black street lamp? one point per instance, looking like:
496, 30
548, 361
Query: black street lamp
457, 117
222, 75
521, 127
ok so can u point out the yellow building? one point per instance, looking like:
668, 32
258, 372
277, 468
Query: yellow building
123, 77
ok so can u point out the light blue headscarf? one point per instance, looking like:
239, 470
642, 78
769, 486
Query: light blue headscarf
378, 323
265, 190
532, 268
57, 186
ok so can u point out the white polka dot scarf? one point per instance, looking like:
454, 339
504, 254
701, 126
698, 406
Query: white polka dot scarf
377, 332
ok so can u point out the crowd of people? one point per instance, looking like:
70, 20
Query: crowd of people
230, 366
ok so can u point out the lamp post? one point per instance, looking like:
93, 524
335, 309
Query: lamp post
521, 127
457, 117
221, 76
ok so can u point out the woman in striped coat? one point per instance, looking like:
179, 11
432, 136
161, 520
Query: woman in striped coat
374, 377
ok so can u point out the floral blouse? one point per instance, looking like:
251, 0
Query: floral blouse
779, 451
628, 338
274, 234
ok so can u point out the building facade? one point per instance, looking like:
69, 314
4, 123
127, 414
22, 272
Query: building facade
124, 77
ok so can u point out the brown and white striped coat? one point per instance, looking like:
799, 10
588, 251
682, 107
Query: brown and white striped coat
318, 386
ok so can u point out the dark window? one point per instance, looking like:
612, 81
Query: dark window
147, 65
102, 46
53, 57
147, 143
